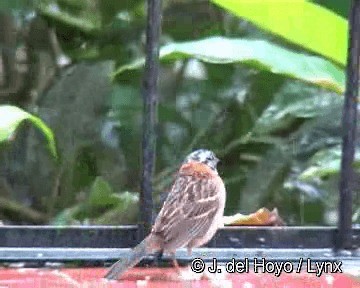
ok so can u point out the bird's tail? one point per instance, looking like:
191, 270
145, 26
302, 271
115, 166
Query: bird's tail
145, 247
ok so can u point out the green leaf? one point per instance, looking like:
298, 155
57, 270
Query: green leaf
301, 22
258, 54
125, 211
110, 9
10, 119
67, 216
293, 101
101, 194
326, 163
88, 24
102, 207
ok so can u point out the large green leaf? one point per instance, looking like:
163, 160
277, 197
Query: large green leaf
304, 23
326, 163
10, 119
257, 54
294, 101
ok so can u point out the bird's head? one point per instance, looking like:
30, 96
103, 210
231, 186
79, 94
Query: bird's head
204, 156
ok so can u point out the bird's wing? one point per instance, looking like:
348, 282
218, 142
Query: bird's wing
189, 210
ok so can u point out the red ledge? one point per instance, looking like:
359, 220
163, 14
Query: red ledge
167, 277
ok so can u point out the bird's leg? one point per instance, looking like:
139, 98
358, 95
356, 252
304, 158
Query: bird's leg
157, 257
174, 262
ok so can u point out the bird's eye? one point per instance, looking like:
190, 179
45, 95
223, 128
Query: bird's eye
209, 158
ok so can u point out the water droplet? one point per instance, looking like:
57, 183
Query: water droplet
261, 240
248, 285
234, 239
343, 252
328, 254
54, 265
329, 279
356, 252
17, 265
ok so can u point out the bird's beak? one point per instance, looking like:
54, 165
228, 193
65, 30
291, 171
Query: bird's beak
217, 160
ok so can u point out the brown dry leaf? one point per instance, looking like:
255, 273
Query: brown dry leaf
262, 217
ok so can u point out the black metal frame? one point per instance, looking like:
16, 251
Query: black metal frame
349, 129
99, 244
150, 98
48, 246
127, 237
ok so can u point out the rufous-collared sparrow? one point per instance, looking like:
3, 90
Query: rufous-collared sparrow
191, 213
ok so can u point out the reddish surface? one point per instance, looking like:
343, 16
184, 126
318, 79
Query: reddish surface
166, 277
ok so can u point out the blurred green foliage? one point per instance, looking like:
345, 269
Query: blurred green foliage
270, 109
102, 206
